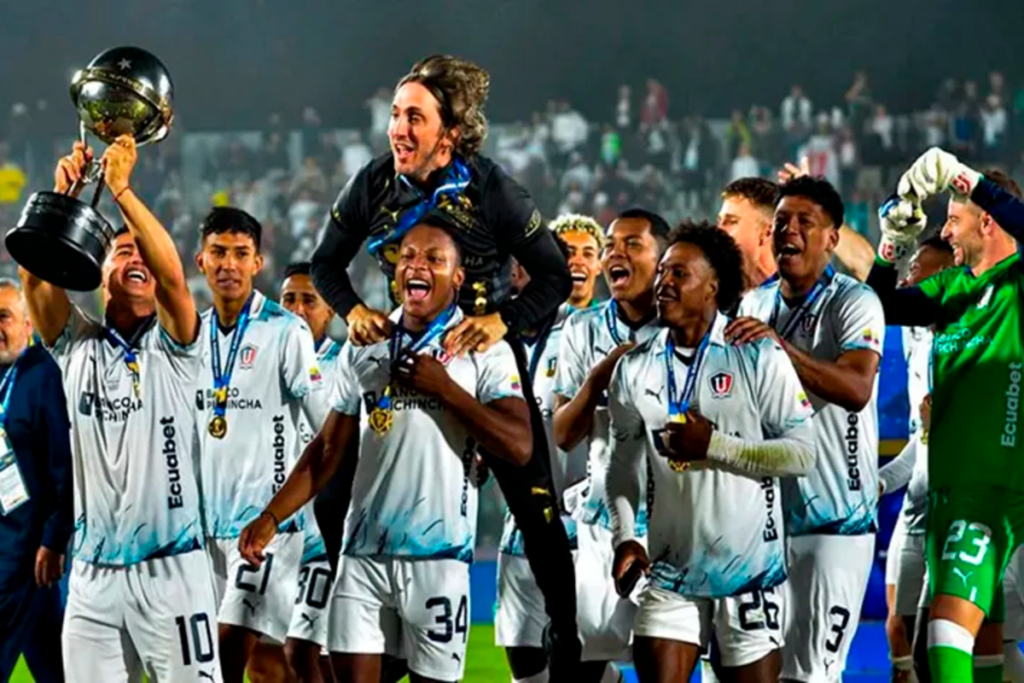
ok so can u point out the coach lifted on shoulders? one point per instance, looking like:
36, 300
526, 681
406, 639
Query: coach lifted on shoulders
434, 172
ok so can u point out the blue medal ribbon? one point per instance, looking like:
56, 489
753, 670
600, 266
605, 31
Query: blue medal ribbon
679, 404
127, 346
456, 179
222, 375
611, 319
7, 388
794, 320
539, 343
433, 332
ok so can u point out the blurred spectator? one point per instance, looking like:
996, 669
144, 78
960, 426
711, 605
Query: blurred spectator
274, 156
935, 126
963, 130
882, 125
624, 109
380, 116
949, 97
577, 174
859, 101
848, 160
653, 190
997, 85
744, 165
310, 132
820, 152
568, 130
696, 158
356, 155
766, 143
993, 128
12, 178
655, 108
310, 179
737, 135
796, 112
611, 146
329, 155
304, 214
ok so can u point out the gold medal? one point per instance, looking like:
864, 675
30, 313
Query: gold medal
218, 427
380, 420
678, 465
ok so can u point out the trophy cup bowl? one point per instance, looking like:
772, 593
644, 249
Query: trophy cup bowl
59, 238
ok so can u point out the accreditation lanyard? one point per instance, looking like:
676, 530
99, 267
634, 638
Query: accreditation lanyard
611, 319
678, 404
794, 320
222, 375
13, 492
129, 353
433, 332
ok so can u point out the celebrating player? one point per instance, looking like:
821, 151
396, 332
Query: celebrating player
519, 611
583, 240
715, 423
592, 343
140, 595
36, 497
434, 170
403, 586
831, 327
973, 523
307, 635
904, 565
258, 381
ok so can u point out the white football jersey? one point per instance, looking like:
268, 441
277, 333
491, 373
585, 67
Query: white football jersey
135, 489
542, 357
589, 336
275, 383
327, 354
917, 349
840, 494
711, 532
414, 493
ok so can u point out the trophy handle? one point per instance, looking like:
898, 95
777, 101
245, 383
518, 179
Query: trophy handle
92, 174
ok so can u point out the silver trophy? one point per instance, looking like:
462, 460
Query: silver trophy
63, 240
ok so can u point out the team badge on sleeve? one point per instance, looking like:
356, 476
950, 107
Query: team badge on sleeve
514, 379
314, 374
721, 385
552, 367
870, 338
804, 401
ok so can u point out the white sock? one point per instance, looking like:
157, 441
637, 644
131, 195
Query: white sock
945, 633
905, 663
542, 677
1013, 662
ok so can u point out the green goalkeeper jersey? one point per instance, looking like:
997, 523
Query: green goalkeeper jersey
978, 367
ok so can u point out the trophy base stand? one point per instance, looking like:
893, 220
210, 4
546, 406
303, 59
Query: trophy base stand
61, 240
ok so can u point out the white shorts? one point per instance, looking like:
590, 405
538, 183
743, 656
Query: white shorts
828, 576
911, 577
311, 611
892, 553
417, 610
156, 617
519, 616
258, 599
604, 619
746, 627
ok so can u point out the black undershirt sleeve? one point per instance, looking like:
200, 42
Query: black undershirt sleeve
903, 306
518, 226
346, 230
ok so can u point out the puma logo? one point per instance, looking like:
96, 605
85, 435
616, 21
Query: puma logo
456, 657
206, 674
378, 361
828, 665
311, 620
655, 394
963, 577
248, 604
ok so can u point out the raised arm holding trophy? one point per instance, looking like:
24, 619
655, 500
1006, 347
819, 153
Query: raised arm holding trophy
58, 238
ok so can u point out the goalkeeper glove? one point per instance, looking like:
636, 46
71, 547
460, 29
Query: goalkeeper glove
901, 221
934, 172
